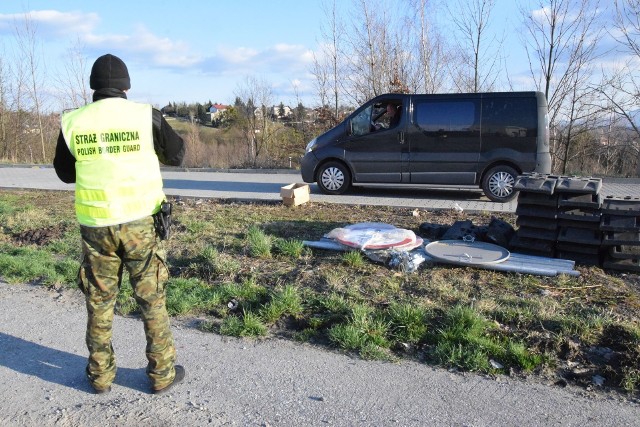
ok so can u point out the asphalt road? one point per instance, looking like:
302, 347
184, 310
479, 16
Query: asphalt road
265, 185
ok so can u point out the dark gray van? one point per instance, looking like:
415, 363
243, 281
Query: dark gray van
466, 139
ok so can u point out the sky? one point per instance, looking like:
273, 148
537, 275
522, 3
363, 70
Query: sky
184, 51
180, 50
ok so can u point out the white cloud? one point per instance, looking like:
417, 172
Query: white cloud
235, 56
51, 23
285, 60
148, 47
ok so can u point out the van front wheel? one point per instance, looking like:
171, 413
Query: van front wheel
334, 178
497, 184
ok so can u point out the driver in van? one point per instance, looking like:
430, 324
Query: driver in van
393, 115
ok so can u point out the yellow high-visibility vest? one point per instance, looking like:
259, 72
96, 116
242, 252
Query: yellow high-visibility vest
117, 171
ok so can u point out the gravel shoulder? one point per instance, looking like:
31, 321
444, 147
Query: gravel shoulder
253, 383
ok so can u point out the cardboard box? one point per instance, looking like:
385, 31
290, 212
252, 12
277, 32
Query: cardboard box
295, 194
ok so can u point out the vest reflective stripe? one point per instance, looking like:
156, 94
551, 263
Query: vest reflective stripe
99, 213
117, 171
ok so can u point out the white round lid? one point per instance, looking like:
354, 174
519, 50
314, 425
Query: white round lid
461, 252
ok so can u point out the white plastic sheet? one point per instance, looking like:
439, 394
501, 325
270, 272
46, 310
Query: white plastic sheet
375, 235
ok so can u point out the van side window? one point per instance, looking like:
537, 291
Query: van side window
445, 116
512, 117
361, 124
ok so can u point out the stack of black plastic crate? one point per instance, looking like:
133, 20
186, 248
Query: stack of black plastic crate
579, 214
537, 213
559, 216
568, 217
620, 226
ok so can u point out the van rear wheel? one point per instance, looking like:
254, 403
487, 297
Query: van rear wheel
497, 184
334, 178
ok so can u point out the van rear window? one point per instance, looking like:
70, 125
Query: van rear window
448, 116
510, 117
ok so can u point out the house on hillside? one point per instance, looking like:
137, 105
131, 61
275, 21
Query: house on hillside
281, 111
214, 111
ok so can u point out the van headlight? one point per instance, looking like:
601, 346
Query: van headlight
311, 145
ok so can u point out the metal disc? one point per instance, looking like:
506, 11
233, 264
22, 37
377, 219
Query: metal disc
466, 253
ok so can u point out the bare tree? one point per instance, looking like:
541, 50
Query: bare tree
561, 47
479, 68
258, 131
370, 69
431, 59
28, 46
320, 71
16, 90
624, 86
72, 80
4, 143
620, 88
386, 47
627, 21
328, 64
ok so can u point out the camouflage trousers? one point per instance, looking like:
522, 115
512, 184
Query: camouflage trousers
106, 252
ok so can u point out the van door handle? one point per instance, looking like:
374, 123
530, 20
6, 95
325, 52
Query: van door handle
401, 137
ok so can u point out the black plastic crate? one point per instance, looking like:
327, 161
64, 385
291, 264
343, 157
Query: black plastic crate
536, 183
624, 251
537, 211
579, 248
539, 199
578, 184
612, 238
620, 223
532, 246
622, 264
580, 214
579, 235
580, 258
621, 206
535, 222
588, 200
537, 233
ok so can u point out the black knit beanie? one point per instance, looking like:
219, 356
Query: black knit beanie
109, 71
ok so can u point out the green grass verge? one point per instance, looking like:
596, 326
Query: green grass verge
242, 270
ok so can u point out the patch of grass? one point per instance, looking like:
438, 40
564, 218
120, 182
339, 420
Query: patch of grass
462, 341
353, 259
630, 379
362, 332
286, 301
29, 264
186, 296
212, 264
259, 243
196, 227
248, 293
249, 325
291, 248
27, 218
408, 322
468, 341
516, 311
126, 302
520, 356
9, 205
67, 246
348, 336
